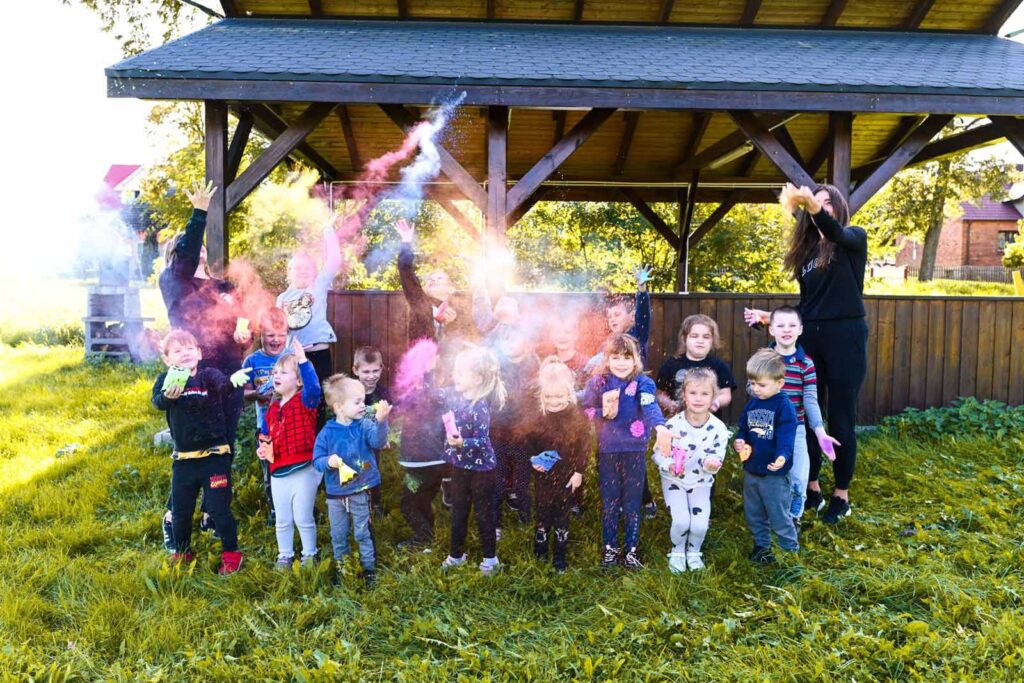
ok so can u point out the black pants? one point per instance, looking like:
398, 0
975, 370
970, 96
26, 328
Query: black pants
839, 351
323, 364
553, 501
212, 476
265, 471
417, 505
476, 488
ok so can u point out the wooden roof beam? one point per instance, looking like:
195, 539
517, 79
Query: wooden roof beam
832, 14
750, 11
1012, 128
736, 197
631, 118
316, 8
731, 145
272, 125
229, 7
665, 11
402, 9
902, 156
651, 216
350, 138
1000, 15
701, 119
953, 144
490, 8
762, 137
559, 117
840, 133
787, 141
918, 14
450, 166
515, 216
238, 142
577, 10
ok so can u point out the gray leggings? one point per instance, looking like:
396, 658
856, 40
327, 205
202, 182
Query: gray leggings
691, 510
294, 495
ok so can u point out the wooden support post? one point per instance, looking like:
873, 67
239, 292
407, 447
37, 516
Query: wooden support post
497, 173
840, 132
1012, 129
762, 137
631, 118
238, 141
921, 136
269, 120
832, 14
651, 216
350, 138
685, 222
216, 172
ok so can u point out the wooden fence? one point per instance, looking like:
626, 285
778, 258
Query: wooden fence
922, 351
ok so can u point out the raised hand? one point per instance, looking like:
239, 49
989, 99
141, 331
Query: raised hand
297, 350
383, 410
200, 195
754, 316
405, 231
642, 274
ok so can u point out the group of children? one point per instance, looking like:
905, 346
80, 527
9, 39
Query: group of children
503, 418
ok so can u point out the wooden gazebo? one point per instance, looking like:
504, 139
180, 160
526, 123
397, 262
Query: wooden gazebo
639, 100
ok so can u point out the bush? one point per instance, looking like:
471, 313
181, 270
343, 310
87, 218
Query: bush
1013, 254
71, 334
963, 417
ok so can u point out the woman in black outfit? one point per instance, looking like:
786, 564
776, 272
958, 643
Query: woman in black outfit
827, 256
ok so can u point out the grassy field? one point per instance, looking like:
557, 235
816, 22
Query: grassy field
923, 581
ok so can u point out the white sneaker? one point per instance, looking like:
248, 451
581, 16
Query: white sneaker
677, 563
694, 561
490, 566
450, 562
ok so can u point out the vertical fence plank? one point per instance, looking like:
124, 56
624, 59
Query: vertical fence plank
1001, 350
360, 321
919, 354
657, 351
969, 349
379, 324
901, 355
884, 362
342, 324
935, 348
985, 334
1016, 374
954, 337
866, 409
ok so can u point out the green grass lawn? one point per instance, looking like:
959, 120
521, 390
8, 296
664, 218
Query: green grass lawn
923, 581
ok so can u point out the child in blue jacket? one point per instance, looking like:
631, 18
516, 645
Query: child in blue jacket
344, 451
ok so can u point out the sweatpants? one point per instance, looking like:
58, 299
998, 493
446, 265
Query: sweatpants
294, 495
766, 503
212, 476
352, 512
476, 488
417, 504
553, 500
799, 472
839, 351
621, 478
512, 462
691, 510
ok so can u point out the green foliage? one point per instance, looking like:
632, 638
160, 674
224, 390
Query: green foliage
923, 582
964, 417
1013, 254
139, 26
938, 288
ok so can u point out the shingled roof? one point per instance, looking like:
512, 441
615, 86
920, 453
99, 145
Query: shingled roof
588, 56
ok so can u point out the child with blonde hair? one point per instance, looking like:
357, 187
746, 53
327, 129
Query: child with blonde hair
699, 440
476, 382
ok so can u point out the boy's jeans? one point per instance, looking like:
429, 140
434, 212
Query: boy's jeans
356, 506
799, 473
766, 502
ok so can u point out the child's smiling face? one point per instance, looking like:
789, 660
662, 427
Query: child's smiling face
286, 379
369, 374
621, 365
183, 355
697, 396
273, 338
786, 329
555, 397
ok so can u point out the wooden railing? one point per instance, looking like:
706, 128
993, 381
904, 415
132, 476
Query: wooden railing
922, 351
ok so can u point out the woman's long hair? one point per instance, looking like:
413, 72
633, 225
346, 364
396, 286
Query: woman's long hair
806, 238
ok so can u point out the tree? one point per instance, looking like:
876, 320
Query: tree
138, 26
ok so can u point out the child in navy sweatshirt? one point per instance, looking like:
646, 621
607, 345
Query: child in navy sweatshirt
620, 399
344, 452
764, 442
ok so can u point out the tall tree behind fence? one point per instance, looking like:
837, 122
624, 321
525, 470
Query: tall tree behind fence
922, 352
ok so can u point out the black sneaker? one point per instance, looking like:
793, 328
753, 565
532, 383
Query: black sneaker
814, 501
446, 495
512, 502
837, 509
762, 555
650, 510
168, 530
369, 578
610, 558
631, 561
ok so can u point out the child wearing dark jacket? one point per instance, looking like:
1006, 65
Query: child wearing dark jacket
196, 415
558, 444
764, 442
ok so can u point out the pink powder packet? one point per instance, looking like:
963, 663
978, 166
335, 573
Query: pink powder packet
449, 425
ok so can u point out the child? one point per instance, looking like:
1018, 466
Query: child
196, 416
367, 365
563, 336
698, 343
519, 366
273, 329
476, 382
290, 425
764, 442
494, 325
305, 302
801, 387
344, 452
698, 449
561, 428
621, 400
429, 309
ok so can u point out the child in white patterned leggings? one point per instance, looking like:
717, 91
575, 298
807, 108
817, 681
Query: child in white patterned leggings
698, 449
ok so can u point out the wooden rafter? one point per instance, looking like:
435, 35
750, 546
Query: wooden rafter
953, 144
316, 8
751, 161
270, 123
665, 11
701, 119
631, 119
729, 146
832, 14
402, 9
350, 137
460, 218
762, 137
782, 133
750, 11
917, 14
515, 216
556, 156
490, 8
230, 10
238, 141
450, 166
577, 10
902, 156
1000, 15
1012, 129
717, 215
651, 216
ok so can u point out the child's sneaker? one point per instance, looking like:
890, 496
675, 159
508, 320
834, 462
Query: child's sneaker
540, 544
694, 561
611, 557
762, 555
451, 562
308, 560
497, 533
490, 566
168, 530
182, 558
284, 562
814, 501
632, 561
369, 578
206, 523
837, 509
650, 510
677, 563
230, 562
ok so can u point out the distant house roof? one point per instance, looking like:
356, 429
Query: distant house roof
118, 173
989, 210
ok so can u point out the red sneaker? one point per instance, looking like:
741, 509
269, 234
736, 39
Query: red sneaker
230, 562
182, 558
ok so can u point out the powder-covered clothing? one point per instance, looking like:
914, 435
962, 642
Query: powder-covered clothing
769, 427
641, 331
197, 418
520, 380
473, 420
696, 444
638, 413
493, 331
354, 444
292, 425
802, 386
421, 307
673, 370
305, 308
565, 432
422, 442
836, 291
261, 363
